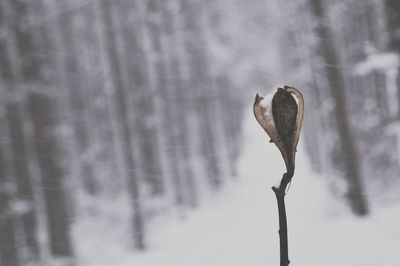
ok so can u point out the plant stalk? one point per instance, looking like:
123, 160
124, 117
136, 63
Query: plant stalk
280, 193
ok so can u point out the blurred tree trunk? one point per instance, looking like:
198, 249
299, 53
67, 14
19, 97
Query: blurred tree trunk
218, 97
167, 93
45, 122
15, 72
123, 121
393, 26
144, 95
149, 12
141, 100
179, 97
71, 30
23, 181
8, 242
231, 109
103, 111
201, 84
351, 160
8, 245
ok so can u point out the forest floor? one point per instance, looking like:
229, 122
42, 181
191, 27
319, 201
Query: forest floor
239, 225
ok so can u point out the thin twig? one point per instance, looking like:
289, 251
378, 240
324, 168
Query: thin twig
280, 193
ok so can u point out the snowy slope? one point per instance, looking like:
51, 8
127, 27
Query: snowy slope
240, 225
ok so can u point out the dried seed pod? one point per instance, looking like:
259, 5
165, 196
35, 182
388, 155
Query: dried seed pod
281, 117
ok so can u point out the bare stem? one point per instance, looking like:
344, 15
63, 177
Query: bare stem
280, 193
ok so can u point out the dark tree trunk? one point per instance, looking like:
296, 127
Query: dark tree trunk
44, 119
77, 85
168, 92
351, 159
141, 93
23, 180
13, 75
393, 23
123, 122
8, 247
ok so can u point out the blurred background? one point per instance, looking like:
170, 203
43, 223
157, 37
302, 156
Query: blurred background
127, 133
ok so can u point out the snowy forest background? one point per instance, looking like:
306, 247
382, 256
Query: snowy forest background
117, 116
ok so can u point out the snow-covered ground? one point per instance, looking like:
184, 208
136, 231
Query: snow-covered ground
239, 226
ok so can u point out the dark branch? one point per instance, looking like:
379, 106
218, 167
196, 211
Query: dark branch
280, 193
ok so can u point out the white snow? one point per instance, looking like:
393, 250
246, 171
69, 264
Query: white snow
387, 63
239, 225
376, 61
267, 101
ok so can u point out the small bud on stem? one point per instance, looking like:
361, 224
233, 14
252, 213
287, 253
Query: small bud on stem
282, 118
